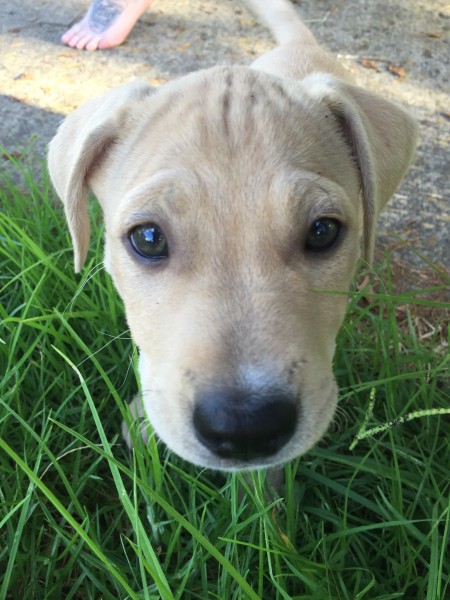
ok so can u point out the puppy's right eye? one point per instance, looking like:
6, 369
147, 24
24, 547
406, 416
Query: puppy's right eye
322, 234
148, 240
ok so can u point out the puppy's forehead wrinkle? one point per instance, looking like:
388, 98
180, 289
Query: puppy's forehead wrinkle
244, 102
231, 104
226, 103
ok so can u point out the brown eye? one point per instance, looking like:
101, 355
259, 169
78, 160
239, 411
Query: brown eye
322, 234
149, 241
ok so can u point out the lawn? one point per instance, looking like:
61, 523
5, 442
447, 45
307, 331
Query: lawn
364, 515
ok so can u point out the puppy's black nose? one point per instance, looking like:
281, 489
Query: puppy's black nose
235, 424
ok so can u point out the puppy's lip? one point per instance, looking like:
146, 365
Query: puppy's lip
204, 458
237, 466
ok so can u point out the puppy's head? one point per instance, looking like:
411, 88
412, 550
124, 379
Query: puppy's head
235, 207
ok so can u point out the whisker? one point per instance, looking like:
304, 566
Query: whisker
92, 273
113, 339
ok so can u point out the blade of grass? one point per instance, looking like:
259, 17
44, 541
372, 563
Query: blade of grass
69, 518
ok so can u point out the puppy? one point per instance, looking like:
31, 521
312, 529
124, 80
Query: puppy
237, 201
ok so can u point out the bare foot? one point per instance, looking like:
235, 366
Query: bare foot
106, 24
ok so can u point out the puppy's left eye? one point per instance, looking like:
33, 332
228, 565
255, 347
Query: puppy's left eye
322, 234
149, 241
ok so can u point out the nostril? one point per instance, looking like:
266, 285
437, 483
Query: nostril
245, 426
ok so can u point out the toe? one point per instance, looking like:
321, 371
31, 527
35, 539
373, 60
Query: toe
82, 42
93, 44
73, 32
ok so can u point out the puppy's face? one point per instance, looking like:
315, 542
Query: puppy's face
225, 242
235, 204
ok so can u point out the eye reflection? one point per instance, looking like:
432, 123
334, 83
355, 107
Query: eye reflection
322, 234
148, 240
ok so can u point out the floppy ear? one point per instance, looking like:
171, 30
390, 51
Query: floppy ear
81, 141
382, 137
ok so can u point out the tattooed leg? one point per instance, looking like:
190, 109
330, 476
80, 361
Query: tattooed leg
106, 24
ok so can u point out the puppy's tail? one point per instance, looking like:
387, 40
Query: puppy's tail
283, 21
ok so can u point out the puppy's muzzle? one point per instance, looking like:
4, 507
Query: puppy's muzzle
246, 426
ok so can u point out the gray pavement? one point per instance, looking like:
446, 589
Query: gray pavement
398, 48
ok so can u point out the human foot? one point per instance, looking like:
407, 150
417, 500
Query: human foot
106, 24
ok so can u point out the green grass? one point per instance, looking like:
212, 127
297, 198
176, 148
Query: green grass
81, 517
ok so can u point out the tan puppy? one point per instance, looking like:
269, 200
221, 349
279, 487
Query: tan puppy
232, 198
